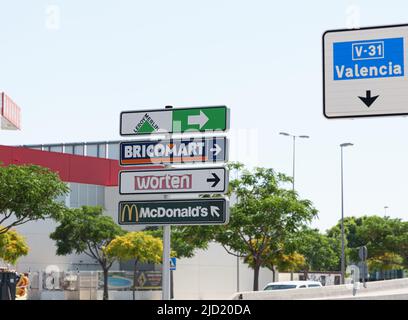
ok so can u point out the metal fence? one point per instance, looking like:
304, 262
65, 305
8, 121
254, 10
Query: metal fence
387, 275
88, 285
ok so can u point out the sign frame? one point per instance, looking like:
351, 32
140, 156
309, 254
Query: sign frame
223, 179
172, 140
227, 121
324, 72
191, 223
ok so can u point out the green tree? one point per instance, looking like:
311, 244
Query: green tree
383, 235
12, 246
386, 240
265, 215
351, 239
321, 253
185, 240
399, 240
86, 230
28, 193
279, 257
291, 262
139, 246
387, 261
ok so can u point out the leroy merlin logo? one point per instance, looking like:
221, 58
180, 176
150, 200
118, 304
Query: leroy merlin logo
146, 125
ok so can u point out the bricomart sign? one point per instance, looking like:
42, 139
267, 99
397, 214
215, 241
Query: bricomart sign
174, 212
173, 151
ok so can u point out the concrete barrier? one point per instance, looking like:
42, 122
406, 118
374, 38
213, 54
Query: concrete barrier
374, 290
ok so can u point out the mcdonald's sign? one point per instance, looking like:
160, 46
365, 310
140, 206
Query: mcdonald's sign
174, 211
129, 213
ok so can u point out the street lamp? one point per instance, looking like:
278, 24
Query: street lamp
294, 152
385, 211
343, 262
293, 165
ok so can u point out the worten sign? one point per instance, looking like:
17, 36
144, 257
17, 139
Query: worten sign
197, 119
174, 151
191, 180
364, 72
174, 212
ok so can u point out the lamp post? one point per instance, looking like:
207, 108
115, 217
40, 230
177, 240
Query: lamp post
343, 262
294, 152
293, 166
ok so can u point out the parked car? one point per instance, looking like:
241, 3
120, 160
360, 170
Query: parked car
284, 285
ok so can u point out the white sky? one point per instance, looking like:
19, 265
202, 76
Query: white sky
74, 65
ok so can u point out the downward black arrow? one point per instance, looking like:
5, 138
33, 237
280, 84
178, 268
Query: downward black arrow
368, 99
215, 179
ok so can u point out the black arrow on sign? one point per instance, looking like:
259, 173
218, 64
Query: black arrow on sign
215, 179
368, 99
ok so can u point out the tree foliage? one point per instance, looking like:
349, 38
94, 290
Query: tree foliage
12, 246
86, 230
291, 262
185, 240
321, 253
139, 246
28, 193
264, 216
386, 240
284, 259
386, 261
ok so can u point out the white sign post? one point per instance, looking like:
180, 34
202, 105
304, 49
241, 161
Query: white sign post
365, 72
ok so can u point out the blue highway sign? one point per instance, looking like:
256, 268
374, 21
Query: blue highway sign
364, 72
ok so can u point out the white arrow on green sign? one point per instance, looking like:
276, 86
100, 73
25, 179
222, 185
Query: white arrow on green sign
178, 120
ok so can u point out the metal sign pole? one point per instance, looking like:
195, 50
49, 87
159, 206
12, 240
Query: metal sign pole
166, 249
363, 254
166, 263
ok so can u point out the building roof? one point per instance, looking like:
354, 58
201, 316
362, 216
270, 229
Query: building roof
71, 168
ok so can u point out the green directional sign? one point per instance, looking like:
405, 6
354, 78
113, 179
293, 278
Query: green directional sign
174, 212
178, 120
200, 119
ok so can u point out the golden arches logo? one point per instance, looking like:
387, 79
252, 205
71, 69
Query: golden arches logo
129, 210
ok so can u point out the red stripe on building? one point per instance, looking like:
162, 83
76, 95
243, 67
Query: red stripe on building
71, 168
